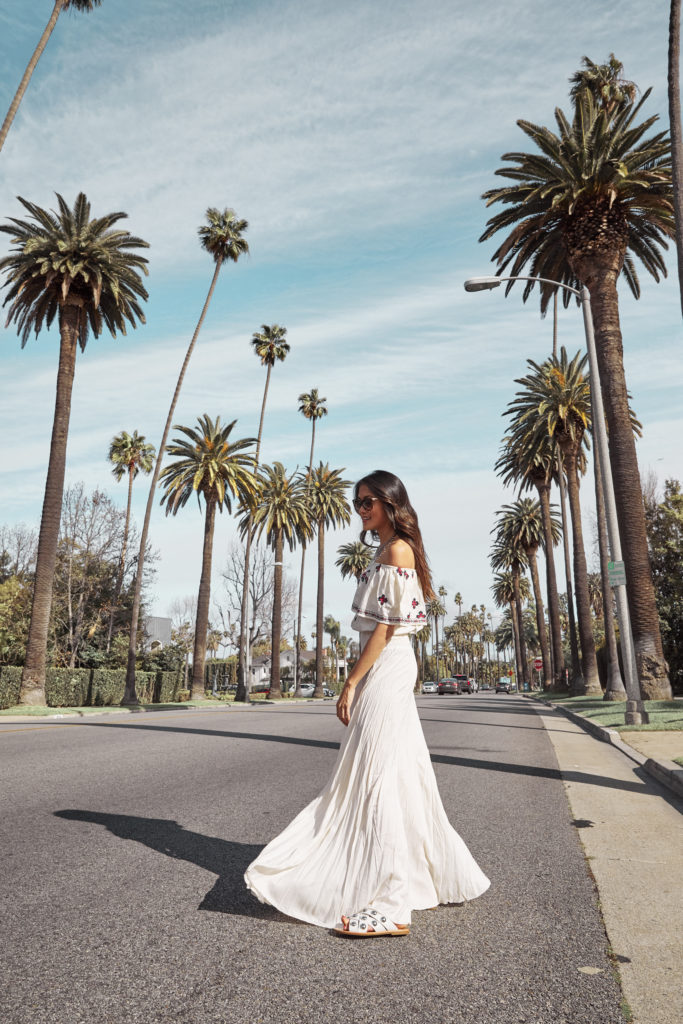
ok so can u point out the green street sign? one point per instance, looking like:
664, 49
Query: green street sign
616, 572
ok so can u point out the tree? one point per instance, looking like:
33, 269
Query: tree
209, 465
85, 273
354, 558
279, 511
60, 5
435, 609
508, 555
328, 509
270, 346
665, 535
312, 407
554, 401
504, 591
598, 197
676, 130
605, 83
522, 523
261, 571
130, 454
222, 238
533, 462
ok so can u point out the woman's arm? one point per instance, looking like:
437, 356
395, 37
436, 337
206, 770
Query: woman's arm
381, 635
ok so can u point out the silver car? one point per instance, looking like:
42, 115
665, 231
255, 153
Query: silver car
429, 687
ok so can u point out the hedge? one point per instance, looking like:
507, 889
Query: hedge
100, 687
67, 687
10, 684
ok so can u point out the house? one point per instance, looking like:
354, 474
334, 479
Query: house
157, 633
260, 666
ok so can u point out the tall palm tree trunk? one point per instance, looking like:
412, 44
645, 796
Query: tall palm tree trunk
130, 696
318, 692
203, 603
615, 689
32, 689
275, 683
577, 678
591, 679
30, 68
543, 488
242, 693
122, 561
524, 661
540, 620
652, 667
515, 642
676, 130
297, 670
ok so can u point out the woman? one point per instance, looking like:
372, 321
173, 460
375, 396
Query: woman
376, 843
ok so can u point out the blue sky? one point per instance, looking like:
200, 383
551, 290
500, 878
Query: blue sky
356, 139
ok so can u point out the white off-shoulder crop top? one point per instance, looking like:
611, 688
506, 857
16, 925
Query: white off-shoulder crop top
388, 593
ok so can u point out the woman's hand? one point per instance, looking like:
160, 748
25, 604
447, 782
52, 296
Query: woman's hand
344, 702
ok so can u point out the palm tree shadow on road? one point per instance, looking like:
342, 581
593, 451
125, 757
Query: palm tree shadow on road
225, 858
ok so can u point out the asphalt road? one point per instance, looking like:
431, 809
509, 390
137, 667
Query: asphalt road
124, 841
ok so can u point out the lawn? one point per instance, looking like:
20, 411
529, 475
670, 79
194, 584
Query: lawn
664, 714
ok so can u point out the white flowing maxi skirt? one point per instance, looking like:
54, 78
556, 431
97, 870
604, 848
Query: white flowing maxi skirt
378, 834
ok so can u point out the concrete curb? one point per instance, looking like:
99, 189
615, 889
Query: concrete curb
667, 773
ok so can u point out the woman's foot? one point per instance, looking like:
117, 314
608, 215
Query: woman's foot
370, 923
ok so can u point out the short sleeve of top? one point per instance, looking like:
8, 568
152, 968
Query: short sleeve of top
388, 593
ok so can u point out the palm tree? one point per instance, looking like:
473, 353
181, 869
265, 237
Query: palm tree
435, 609
555, 402
676, 130
60, 5
422, 636
605, 82
312, 407
85, 273
130, 454
533, 463
207, 464
270, 346
280, 512
522, 523
504, 591
598, 196
354, 557
222, 238
328, 508
508, 555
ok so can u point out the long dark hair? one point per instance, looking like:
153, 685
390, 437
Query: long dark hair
403, 518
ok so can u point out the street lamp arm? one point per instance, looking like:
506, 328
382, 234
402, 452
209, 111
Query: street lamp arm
478, 284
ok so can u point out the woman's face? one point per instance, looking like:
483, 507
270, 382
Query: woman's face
374, 517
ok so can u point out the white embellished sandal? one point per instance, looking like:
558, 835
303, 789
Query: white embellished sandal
369, 923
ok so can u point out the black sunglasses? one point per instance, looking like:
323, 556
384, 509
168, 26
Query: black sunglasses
364, 503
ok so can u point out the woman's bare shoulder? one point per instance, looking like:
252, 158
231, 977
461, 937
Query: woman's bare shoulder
400, 553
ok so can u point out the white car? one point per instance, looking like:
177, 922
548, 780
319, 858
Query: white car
306, 689
429, 687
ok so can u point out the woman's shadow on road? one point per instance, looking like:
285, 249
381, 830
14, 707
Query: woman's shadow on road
227, 860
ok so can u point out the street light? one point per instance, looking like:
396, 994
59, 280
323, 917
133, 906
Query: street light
635, 710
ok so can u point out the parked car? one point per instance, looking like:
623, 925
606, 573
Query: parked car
429, 686
449, 685
306, 689
467, 684
328, 693
505, 685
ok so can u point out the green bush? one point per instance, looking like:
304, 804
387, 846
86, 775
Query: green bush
108, 686
10, 683
183, 695
67, 687
168, 684
145, 685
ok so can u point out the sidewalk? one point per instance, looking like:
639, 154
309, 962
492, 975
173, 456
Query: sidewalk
632, 834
